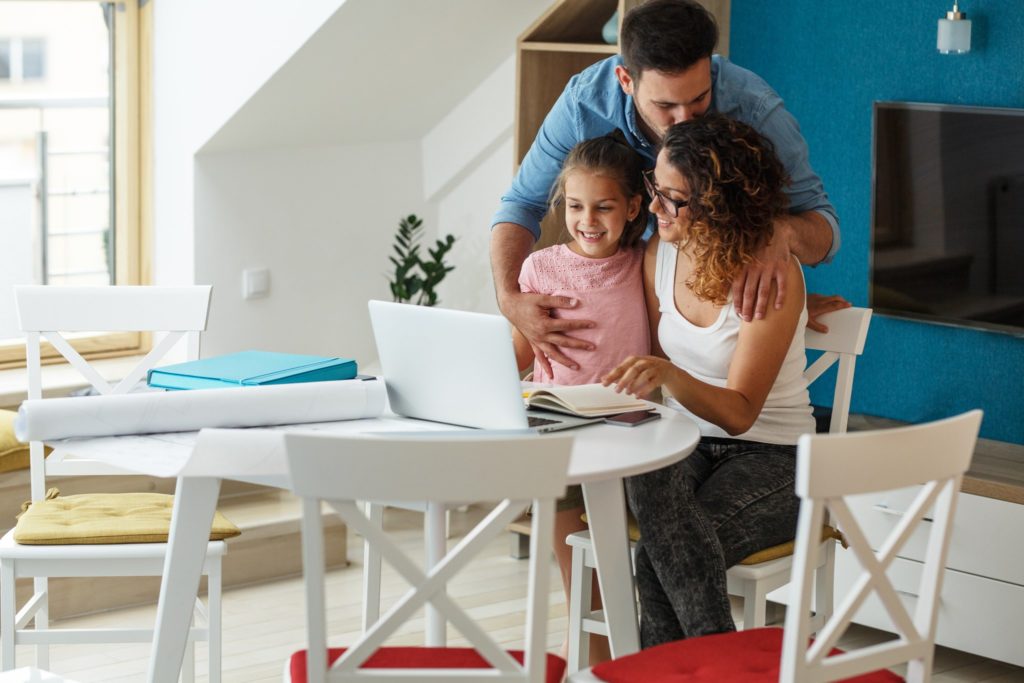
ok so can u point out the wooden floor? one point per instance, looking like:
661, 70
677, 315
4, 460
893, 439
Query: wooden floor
263, 624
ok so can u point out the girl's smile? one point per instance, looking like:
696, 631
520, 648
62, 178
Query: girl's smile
596, 213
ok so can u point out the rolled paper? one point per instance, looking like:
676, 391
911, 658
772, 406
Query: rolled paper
159, 412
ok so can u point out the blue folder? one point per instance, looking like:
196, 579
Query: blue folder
250, 368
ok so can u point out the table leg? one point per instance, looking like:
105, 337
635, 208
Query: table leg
435, 537
195, 501
606, 512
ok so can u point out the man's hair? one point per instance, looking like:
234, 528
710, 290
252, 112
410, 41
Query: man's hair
736, 184
667, 35
610, 156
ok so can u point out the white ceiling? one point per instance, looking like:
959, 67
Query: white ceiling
379, 70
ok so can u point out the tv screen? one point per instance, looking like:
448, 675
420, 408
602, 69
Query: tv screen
947, 238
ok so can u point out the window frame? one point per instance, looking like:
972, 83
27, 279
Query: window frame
132, 156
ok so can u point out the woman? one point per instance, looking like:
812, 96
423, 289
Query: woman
716, 190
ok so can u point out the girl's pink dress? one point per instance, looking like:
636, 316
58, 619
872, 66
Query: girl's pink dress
609, 292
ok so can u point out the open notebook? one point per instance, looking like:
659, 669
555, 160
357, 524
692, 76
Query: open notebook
455, 367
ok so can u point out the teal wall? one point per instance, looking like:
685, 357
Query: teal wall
829, 60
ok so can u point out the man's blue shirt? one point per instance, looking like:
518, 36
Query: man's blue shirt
593, 104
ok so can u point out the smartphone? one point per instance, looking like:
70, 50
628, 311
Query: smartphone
632, 419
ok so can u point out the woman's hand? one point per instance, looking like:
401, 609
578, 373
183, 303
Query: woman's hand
640, 375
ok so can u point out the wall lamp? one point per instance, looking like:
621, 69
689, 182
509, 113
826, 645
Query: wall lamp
954, 36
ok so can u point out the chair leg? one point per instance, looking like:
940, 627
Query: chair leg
188, 663
213, 619
42, 621
580, 588
920, 670
824, 584
371, 571
8, 610
519, 545
755, 598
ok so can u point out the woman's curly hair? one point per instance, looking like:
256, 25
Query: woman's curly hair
736, 190
611, 156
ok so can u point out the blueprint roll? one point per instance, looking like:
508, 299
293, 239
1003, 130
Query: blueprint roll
159, 412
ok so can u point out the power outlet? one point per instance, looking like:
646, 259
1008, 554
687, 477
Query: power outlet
255, 283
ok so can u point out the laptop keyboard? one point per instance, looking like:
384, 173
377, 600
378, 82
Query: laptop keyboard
535, 421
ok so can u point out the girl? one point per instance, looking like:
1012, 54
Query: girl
601, 187
716, 190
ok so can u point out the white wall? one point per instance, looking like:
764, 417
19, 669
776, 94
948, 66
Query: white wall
321, 216
208, 59
467, 165
322, 219
17, 254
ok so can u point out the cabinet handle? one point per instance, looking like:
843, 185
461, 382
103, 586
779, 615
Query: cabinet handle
885, 509
907, 593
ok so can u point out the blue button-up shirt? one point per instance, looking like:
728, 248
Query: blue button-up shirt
593, 104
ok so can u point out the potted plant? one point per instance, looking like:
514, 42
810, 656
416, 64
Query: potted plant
415, 278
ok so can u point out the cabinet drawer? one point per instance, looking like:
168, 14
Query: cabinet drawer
986, 532
976, 614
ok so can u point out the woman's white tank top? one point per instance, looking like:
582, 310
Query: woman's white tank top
706, 353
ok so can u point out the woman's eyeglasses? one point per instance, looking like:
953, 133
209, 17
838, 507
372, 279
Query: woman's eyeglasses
668, 205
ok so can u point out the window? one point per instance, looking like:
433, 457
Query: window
22, 59
33, 59
5, 60
72, 125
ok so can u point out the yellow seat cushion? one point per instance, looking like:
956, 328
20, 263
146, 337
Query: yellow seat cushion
13, 453
786, 549
765, 555
105, 518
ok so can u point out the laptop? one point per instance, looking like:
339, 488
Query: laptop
455, 367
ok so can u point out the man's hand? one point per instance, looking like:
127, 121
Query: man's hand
752, 289
531, 315
820, 304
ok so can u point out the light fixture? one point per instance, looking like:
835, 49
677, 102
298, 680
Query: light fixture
954, 33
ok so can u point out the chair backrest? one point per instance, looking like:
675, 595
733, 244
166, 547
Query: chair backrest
844, 341
444, 469
48, 312
829, 469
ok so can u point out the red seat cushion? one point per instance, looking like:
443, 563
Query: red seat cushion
423, 658
738, 657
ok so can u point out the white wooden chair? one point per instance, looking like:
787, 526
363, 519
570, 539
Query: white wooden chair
443, 469
434, 516
46, 312
848, 329
831, 468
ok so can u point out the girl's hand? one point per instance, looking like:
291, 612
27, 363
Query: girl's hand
640, 375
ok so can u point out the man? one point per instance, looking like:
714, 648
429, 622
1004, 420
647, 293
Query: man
666, 74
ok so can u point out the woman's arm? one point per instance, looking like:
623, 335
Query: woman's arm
651, 294
760, 351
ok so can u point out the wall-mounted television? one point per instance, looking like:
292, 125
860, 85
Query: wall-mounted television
947, 237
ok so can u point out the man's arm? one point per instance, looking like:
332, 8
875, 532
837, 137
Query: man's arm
516, 226
810, 230
808, 234
809, 237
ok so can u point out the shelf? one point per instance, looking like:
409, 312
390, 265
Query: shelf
562, 42
587, 48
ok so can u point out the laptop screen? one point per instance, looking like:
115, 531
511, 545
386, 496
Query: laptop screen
448, 366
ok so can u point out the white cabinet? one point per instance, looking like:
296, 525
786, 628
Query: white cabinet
982, 605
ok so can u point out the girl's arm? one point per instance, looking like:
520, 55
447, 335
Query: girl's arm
760, 351
524, 352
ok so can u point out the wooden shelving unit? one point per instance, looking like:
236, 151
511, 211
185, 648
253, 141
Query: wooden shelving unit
559, 44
